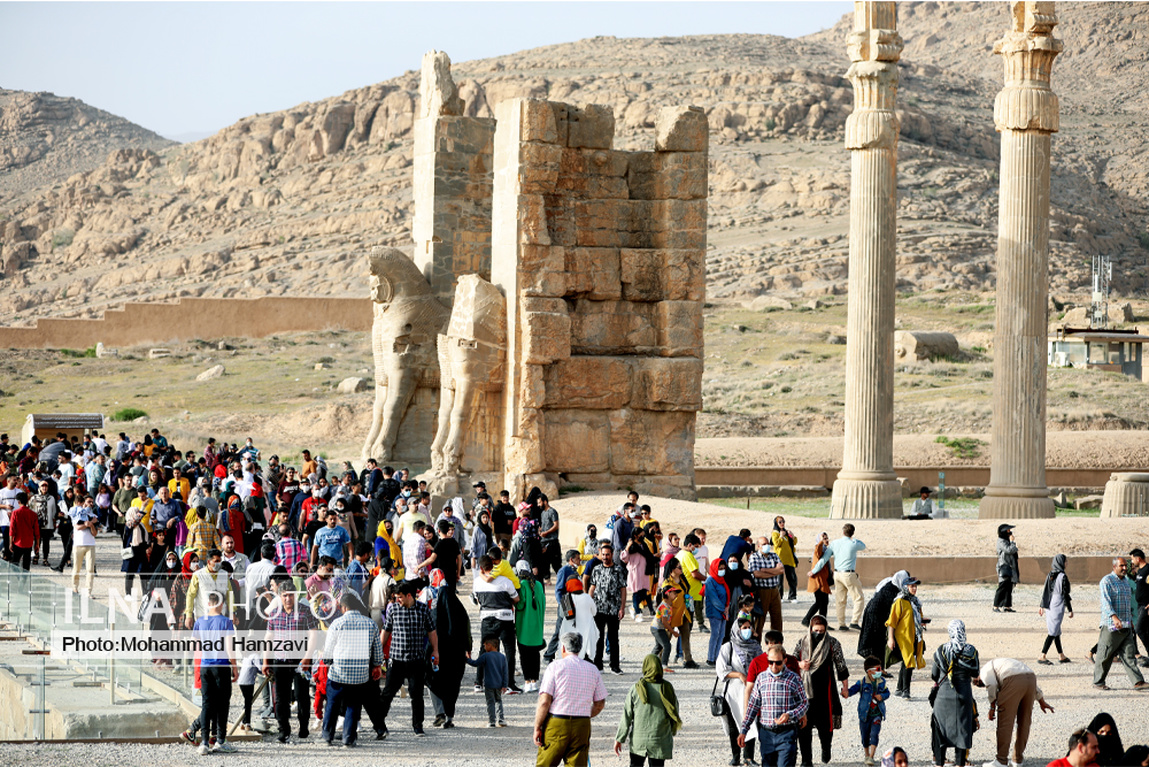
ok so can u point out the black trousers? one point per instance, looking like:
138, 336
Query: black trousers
607, 627
552, 559
529, 657
286, 680
412, 672
215, 688
248, 691
806, 740
1141, 626
820, 606
1004, 595
505, 632
66, 540
553, 645
905, 676
45, 544
22, 557
737, 752
791, 581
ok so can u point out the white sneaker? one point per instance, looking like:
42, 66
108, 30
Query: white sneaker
639, 618
204, 749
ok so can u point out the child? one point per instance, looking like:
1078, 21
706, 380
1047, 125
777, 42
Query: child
494, 666
871, 706
663, 629
358, 572
217, 672
249, 671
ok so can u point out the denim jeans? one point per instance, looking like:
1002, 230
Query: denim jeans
784, 743
661, 644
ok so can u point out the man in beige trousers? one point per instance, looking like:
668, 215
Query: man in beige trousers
1012, 688
845, 550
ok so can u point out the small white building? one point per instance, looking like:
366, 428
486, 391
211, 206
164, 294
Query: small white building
44, 425
1118, 351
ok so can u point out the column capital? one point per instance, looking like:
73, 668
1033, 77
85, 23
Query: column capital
1027, 50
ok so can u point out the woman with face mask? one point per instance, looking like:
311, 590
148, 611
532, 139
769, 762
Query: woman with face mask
905, 641
482, 538
178, 595
717, 599
733, 660
955, 670
588, 545
821, 662
162, 581
819, 583
1110, 750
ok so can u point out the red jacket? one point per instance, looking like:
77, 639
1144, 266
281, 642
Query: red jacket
24, 528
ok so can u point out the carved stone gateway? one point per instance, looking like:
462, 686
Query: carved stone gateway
601, 255
404, 336
1026, 115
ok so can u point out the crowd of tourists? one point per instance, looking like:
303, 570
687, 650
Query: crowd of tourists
220, 540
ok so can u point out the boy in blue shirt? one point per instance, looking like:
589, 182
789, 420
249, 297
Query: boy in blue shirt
494, 665
872, 692
358, 572
217, 671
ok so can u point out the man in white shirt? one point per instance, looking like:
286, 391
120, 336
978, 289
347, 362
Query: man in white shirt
1012, 688
84, 524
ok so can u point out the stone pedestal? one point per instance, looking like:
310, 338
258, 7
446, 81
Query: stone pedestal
867, 486
1026, 114
1126, 495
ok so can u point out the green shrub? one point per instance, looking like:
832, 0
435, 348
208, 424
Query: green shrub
128, 414
62, 238
962, 447
89, 352
1143, 238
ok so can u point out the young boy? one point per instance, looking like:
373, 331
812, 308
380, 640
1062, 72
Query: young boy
662, 629
702, 554
494, 665
217, 671
358, 572
873, 694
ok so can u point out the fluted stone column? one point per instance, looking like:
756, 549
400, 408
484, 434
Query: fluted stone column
1026, 114
867, 486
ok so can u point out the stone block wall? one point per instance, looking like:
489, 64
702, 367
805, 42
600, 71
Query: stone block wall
601, 254
453, 168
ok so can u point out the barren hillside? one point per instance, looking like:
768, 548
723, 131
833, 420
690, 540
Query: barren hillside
289, 202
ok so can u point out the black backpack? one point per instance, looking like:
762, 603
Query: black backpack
567, 607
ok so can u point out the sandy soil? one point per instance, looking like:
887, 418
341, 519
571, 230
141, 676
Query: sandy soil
1064, 449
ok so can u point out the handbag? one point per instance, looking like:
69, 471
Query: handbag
718, 705
126, 552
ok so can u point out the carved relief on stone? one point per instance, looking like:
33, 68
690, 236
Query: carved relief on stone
407, 322
471, 358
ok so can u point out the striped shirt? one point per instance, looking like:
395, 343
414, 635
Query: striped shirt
289, 552
773, 696
1116, 599
574, 686
352, 647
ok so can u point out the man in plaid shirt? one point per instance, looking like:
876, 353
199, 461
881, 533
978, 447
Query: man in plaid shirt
409, 625
1117, 629
778, 701
290, 616
354, 655
288, 551
766, 570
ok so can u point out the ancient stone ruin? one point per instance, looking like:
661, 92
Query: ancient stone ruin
581, 359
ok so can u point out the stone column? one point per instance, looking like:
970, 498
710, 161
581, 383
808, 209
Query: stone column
867, 486
1026, 114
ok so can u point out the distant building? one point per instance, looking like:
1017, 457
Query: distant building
1118, 351
45, 425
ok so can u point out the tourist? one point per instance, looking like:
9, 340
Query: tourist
568, 571
1055, 604
207, 580
776, 705
637, 582
896, 757
872, 694
844, 550
135, 538
588, 544
571, 694
1109, 748
662, 626
549, 537
84, 526
821, 662
717, 604
1140, 573
734, 660
694, 577
530, 614
905, 641
416, 552
289, 616
785, 546
1083, 750
675, 590
820, 583
766, 568
202, 536
382, 588
332, 541
492, 669
43, 503
1011, 687
217, 671
24, 532
650, 718
289, 551
502, 515
583, 623
608, 590
408, 626
955, 669
1008, 572
923, 507
1116, 630
453, 628
497, 597
354, 658
482, 538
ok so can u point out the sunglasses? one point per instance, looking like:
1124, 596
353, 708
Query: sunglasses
775, 662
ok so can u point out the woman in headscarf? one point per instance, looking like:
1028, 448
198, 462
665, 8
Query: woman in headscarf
819, 584
637, 581
670, 548
162, 581
453, 627
386, 545
530, 614
650, 717
482, 538
1055, 603
955, 669
135, 538
1110, 750
784, 543
178, 596
896, 757
872, 639
1008, 572
733, 660
526, 546
674, 583
717, 601
821, 661
905, 641
588, 545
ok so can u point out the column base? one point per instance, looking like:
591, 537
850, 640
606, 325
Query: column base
1016, 503
866, 499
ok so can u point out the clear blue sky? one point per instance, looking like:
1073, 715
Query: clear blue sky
192, 68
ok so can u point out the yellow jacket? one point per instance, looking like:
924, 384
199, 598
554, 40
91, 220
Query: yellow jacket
503, 568
902, 620
784, 548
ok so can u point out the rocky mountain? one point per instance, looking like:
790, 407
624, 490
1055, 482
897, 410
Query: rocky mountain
45, 138
290, 202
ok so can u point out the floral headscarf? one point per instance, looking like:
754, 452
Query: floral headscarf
956, 629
